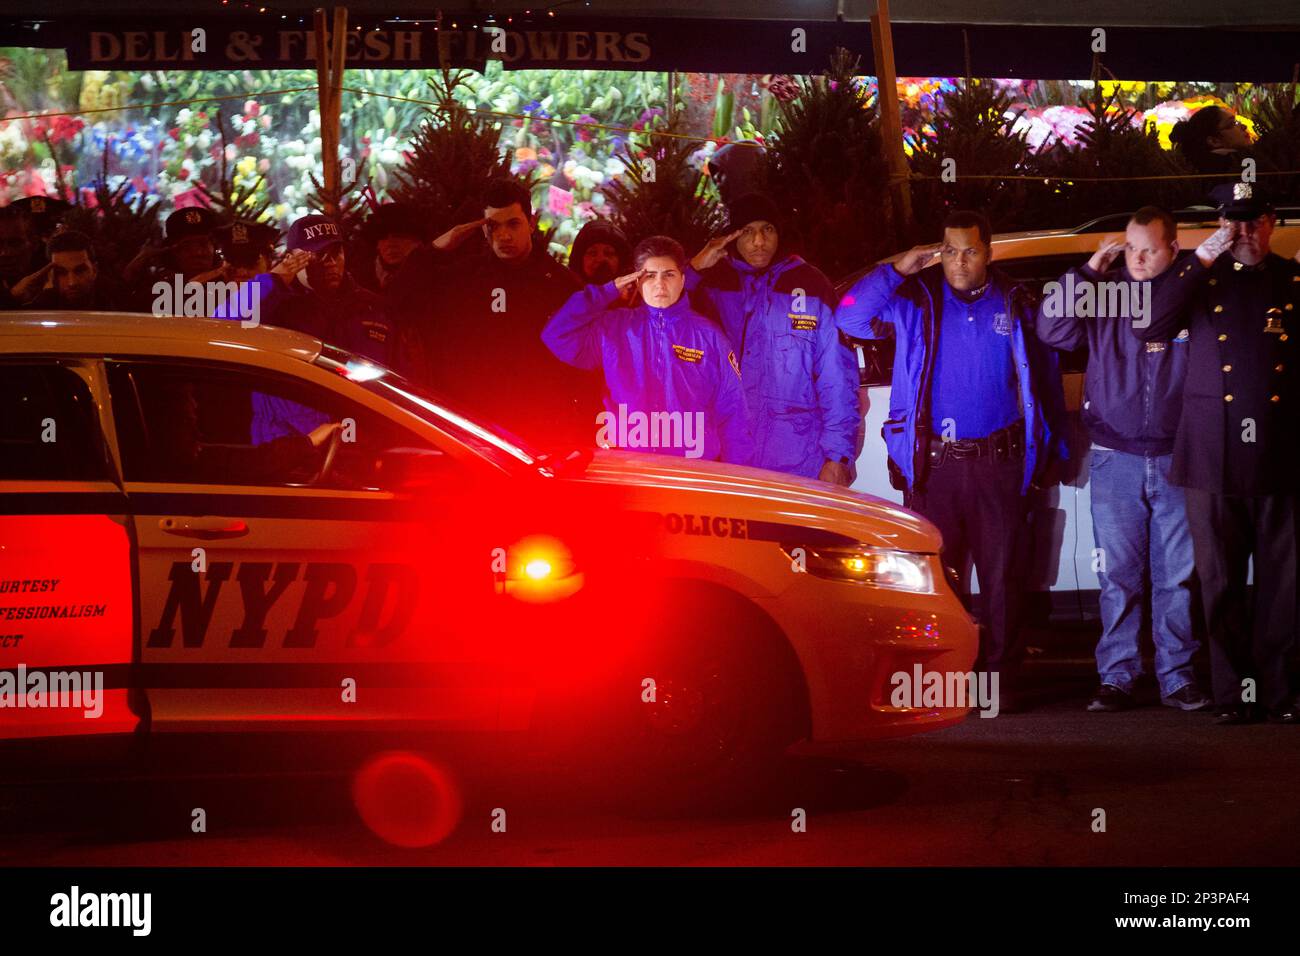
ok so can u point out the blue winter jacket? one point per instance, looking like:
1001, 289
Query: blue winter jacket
656, 363
800, 382
908, 303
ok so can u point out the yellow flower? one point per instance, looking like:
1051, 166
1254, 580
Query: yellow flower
247, 165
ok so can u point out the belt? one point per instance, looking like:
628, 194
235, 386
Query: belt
1001, 445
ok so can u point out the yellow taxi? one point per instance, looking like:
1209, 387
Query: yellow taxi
404, 566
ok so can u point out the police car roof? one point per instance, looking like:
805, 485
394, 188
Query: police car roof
140, 333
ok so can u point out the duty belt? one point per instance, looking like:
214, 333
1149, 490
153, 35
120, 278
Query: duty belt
1002, 444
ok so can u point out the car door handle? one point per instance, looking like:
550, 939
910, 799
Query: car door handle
204, 527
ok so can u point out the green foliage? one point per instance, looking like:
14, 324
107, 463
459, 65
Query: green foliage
826, 167
674, 200
1277, 119
118, 227
1111, 144
971, 130
454, 154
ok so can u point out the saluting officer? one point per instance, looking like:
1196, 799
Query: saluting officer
976, 412
1236, 451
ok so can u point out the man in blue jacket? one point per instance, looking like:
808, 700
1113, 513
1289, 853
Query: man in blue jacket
976, 411
1131, 409
800, 382
672, 384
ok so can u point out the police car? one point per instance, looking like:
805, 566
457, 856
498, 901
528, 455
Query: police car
421, 570
1061, 571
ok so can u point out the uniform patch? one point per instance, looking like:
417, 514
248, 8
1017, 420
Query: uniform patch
1183, 335
1002, 323
800, 322
1155, 346
735, 363
688, 354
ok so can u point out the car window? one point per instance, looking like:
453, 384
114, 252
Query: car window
205, 424
49, 429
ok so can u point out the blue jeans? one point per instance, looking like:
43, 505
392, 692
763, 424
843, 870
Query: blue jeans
1139, 520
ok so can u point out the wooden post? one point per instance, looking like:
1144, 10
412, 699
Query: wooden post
331, 46
891, 123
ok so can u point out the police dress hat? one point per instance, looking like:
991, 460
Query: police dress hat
187, 223
395, 219
42, 211
242, 241
1241, 202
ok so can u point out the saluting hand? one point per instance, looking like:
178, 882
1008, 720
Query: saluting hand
1217, 243
713, 252
454, 236
628, 283
916, 259
294, 261
1107, 250
29, 287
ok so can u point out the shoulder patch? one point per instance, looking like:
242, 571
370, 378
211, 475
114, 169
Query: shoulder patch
734, 362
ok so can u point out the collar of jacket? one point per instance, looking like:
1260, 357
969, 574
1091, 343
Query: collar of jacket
671, 314
771, 270
931, 281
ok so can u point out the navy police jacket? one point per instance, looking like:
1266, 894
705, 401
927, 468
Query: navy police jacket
909, 304
800, 382
656, 362
1134, 391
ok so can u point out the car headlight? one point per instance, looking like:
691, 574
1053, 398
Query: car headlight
877, 567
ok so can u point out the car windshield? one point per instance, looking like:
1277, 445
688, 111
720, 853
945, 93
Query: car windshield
490, 440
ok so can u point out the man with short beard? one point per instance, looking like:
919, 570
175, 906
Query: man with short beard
1236, 452
1139, 519
73, 279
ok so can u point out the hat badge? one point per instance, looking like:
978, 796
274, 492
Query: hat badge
239, 232
38, 205
192, 215
1241, 191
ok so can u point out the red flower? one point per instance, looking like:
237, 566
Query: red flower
174, 133
365, 140
183, 174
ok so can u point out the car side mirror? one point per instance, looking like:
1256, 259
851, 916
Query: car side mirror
413, 469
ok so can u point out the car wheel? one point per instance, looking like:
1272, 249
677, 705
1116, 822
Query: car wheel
703, 719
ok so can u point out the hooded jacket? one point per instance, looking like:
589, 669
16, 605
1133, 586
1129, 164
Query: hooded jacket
657, 361
800, 382
909, 304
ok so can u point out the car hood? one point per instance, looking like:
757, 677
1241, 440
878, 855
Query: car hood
757, 494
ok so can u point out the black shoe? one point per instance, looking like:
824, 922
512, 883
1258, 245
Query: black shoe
1110, 699
1188, 697
1286, 714
1227, 714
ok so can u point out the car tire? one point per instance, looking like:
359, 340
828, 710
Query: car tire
700, 719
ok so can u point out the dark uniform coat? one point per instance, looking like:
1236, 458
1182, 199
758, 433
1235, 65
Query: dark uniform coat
1238, 430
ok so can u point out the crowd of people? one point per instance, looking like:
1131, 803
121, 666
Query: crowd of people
1191, 407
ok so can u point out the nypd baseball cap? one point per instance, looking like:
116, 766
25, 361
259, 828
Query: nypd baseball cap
313, 233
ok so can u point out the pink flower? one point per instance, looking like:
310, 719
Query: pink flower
251, 108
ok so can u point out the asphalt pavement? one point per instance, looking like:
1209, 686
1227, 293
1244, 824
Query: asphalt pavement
1053, 786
